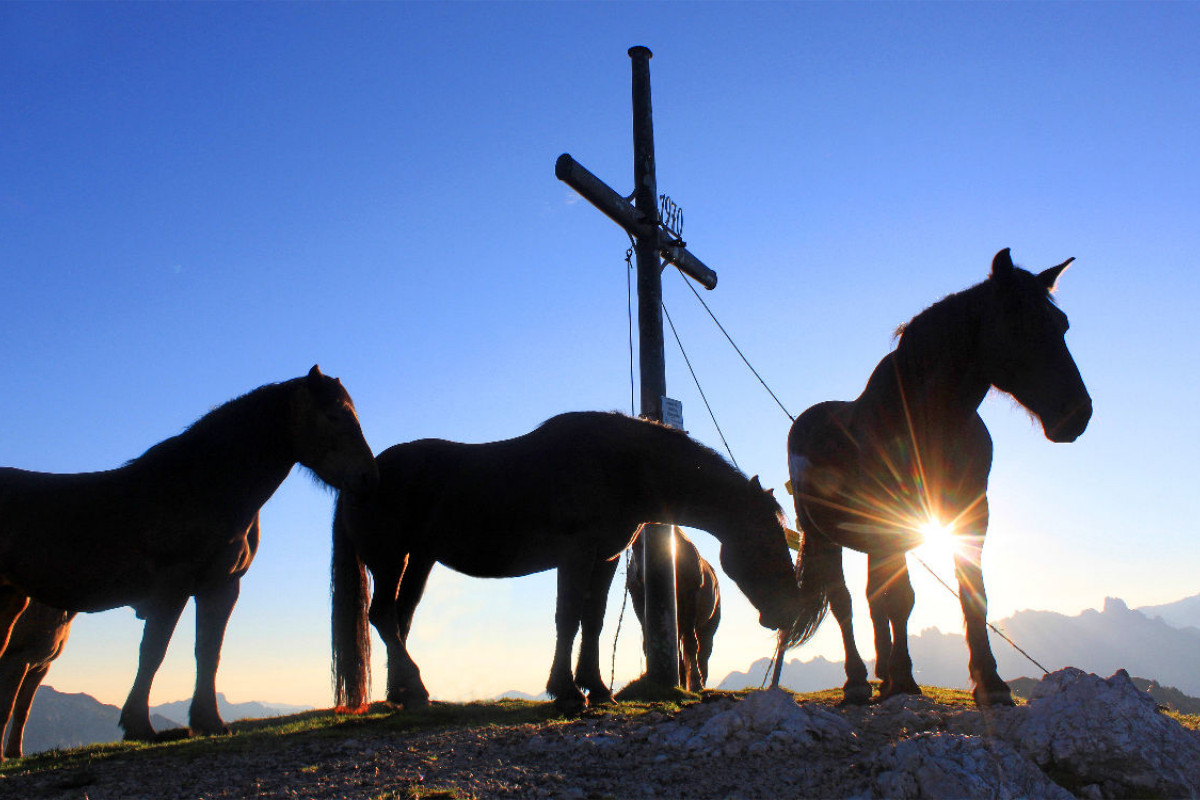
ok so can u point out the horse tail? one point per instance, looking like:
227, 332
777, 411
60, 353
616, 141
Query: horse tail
817, 566
351, 637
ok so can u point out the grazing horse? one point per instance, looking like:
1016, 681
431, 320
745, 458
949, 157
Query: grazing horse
912, 450
38, 638
697, 605
175, 523
570, 496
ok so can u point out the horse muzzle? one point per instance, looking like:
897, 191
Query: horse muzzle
1070, 426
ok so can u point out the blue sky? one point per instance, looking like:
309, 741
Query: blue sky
196, 199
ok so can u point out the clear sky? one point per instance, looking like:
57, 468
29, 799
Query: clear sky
196, 199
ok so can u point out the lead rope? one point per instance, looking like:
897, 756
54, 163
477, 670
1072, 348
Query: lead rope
993, 628
612, 675
700, 389
745, 360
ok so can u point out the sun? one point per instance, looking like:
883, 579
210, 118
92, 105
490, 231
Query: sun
938, 538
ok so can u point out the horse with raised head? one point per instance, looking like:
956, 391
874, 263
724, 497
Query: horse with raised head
912, 450
570, 496
174, 523
697, 605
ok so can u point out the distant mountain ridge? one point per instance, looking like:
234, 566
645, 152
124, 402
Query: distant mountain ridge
230, 712
60, 720
1183, 613
1104, 641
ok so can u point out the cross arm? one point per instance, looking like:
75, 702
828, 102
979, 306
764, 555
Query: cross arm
625, 214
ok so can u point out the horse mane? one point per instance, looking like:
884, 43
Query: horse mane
233, 421
946, 328
659, 437
949, 329
648, 427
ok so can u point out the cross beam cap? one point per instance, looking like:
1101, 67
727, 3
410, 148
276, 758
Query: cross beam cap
691, 266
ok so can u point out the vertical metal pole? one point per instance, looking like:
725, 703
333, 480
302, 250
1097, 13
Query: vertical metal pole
661, 633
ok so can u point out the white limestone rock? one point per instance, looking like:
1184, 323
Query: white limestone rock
941, 765
1103, 737
766, 718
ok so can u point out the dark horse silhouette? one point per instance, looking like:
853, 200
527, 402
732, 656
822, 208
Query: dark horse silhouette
911, 449
37, 639
567, 496
697, 605
175, 523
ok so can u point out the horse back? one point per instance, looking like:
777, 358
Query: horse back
100, 540
496, 509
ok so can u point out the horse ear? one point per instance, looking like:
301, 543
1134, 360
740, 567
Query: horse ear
1002, 265
314, 377
754, 484
1050, 277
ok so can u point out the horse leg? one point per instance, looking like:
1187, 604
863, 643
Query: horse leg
706, 633
594, 603
567, 611
12, 605
897, 603
13, 670
857, 690
20, 714
990, 688
689, 659
383, 616
412, 588
213, 607
687, 613
161, 618
879, 577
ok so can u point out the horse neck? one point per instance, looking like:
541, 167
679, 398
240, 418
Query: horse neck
237, 455
694, 489
928, 385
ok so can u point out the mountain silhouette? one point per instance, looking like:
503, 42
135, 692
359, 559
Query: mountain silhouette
1183, 613
230, 712
1102, 642
59, 720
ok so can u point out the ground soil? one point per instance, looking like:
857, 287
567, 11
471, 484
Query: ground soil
602, 756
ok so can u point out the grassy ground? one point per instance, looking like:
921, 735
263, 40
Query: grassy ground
252, 735
278, 732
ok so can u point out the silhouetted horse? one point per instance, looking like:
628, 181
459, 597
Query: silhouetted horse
912, 448
697, 605
568, 496
175, 523
37, 639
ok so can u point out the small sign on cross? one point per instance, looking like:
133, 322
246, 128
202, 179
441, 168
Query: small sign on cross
672, 412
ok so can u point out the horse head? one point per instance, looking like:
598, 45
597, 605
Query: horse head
326, 435
1026, 349
755, 554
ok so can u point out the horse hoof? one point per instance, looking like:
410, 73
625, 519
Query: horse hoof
145, 737
597, 699
571, 706
409, 701
174, 735
992, 698
899, 688
210, 730
856, 695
